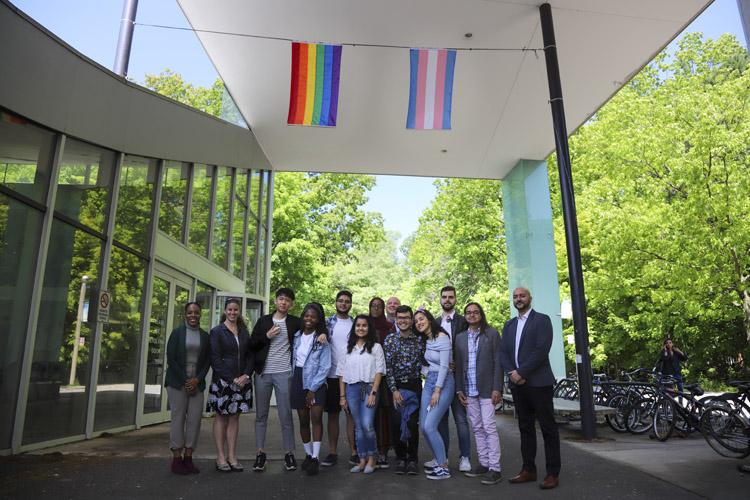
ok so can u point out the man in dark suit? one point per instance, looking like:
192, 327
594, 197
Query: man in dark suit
524, 350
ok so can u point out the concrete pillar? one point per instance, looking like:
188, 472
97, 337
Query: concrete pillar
530, 244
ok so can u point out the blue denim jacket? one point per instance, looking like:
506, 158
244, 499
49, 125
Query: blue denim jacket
317, 364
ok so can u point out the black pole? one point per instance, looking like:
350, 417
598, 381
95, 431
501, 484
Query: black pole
575, 270
125, 40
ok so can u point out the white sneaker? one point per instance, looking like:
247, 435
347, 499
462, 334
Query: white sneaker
464, 465
430, 465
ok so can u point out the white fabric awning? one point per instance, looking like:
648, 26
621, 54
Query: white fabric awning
500, 98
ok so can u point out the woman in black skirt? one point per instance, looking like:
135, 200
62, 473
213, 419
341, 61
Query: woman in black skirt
311, 359
230, 393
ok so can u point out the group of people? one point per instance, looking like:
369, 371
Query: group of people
394, 372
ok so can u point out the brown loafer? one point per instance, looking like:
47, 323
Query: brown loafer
549, 482
524, 476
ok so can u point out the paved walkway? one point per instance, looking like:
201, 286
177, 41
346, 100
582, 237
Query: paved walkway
136, 465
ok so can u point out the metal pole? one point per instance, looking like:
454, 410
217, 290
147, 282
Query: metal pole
125, 40
79, 320
575, 270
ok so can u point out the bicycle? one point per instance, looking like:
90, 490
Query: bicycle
726, 422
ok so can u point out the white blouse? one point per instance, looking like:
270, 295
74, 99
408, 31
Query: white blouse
361, 366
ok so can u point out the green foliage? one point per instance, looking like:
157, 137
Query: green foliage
661, 179
171, 84
319, 232
460, 241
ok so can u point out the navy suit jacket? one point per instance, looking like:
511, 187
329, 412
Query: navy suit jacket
533, 353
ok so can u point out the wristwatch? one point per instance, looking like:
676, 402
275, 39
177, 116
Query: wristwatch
374, 393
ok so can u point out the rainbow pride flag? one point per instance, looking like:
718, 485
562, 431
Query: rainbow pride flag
431, 89
314, 93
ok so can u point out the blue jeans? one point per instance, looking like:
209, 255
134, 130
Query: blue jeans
364, 418
462, 428
429, 420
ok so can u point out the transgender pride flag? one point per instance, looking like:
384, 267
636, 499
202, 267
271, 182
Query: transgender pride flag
431, 89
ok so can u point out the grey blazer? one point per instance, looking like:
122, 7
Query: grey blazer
489, 367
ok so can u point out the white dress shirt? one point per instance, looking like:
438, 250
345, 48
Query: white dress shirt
519, 330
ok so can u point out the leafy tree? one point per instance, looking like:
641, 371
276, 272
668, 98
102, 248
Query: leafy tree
661, 178
172, 85
460, 241
372, 271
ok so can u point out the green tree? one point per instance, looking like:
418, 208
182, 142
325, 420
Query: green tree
374, 270
172, 85
460, 241
661, 179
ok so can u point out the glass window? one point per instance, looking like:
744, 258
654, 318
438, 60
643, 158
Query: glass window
134, 202
25, 156
173, 197
220, 240
264, 196
20, 226
238, 224
254, 191
201, 208
155, 355
118, 361
252, 230
85, 182
60, 372
262, 266
204, 295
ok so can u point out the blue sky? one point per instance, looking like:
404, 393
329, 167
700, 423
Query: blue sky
91, 26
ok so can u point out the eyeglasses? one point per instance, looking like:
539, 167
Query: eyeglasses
472, 313
344, 301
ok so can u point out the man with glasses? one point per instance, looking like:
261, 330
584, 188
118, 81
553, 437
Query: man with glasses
404, 352
339, 326
479, 385
453, 323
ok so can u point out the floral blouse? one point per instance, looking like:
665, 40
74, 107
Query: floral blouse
403, 358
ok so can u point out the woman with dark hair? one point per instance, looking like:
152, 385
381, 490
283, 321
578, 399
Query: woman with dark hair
311, 359
438, 390
231, 392
360, 375
187, 366
383, 327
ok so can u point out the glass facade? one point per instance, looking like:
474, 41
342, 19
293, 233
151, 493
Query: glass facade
200, 212
220, 239
60, 373
174, 198
84, 183
26, 155
92, 370
137, 178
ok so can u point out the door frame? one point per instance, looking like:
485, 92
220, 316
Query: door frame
174, 279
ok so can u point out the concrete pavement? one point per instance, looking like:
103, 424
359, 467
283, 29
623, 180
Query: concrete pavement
136, 465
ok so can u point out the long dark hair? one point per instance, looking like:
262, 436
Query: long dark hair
370, 339
240, 320
320, 327
483, 318
435, 327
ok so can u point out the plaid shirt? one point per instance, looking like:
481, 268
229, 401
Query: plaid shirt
471, 368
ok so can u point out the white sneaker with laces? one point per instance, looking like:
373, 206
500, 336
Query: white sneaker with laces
464, 464
431, 464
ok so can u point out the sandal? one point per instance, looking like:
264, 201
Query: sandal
236, 467
223, 467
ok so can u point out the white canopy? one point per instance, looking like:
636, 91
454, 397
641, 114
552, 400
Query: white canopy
500, 108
